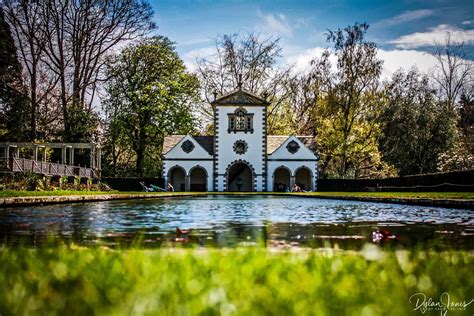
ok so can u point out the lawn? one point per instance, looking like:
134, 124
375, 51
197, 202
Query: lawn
408, 195
13, 193
242, 281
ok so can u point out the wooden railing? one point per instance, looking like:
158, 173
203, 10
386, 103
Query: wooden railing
46, 168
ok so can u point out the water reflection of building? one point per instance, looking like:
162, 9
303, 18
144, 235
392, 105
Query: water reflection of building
240, 156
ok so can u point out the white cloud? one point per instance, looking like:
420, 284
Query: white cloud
191, 42
407, 16
275, 24
405, 59
393, 60
300, 59
301, 62
434, 35
189, 58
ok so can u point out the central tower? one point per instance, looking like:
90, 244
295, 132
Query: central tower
240, 142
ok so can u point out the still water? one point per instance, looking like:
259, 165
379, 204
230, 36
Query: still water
227, 221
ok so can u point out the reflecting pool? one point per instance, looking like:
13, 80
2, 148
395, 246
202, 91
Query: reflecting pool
227, 221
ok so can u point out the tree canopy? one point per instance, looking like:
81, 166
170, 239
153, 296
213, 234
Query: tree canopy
341, 103
58, 56
416, 127
63, 46
249, 58
150, 95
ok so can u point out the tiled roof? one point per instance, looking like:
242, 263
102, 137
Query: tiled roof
207, 142
171, 141
275, 141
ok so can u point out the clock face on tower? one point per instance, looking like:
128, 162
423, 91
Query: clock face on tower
240, 147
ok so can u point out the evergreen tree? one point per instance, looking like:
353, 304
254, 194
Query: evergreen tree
14, 120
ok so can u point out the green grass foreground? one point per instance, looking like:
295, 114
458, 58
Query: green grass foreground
242, 281
419, 195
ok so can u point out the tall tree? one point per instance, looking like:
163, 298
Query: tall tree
13, 103
466, 111
250, 58
82, 33
461, 155
454, 76
64, 43
416, 127
150, 95
307, 92
341, 105
25, 19
454, 72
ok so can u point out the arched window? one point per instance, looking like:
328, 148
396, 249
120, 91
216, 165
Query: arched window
240, 121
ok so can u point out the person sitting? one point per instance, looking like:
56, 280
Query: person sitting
170, 188
145, 188
296, 188
151, 188
156, 188
281, 187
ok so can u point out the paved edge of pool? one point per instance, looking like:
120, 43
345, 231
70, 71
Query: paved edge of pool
42, 200
59, 199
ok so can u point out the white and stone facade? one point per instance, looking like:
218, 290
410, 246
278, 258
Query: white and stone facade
240, 156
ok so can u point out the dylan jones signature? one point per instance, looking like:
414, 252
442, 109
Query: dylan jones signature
423, 303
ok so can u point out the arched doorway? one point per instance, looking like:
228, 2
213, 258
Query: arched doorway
177, 178
281, 180
240, 178
198, 179
303, 178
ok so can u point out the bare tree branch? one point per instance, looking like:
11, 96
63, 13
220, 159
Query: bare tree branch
454, 71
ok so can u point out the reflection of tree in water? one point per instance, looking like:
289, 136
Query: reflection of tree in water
234, 233
87, 223
80, 224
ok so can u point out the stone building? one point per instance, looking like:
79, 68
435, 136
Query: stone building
240, 156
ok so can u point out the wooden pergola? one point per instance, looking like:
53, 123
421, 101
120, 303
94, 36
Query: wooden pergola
10, 157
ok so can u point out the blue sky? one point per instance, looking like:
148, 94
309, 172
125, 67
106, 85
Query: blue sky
404, 30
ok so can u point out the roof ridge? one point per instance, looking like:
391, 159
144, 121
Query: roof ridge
224, 96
